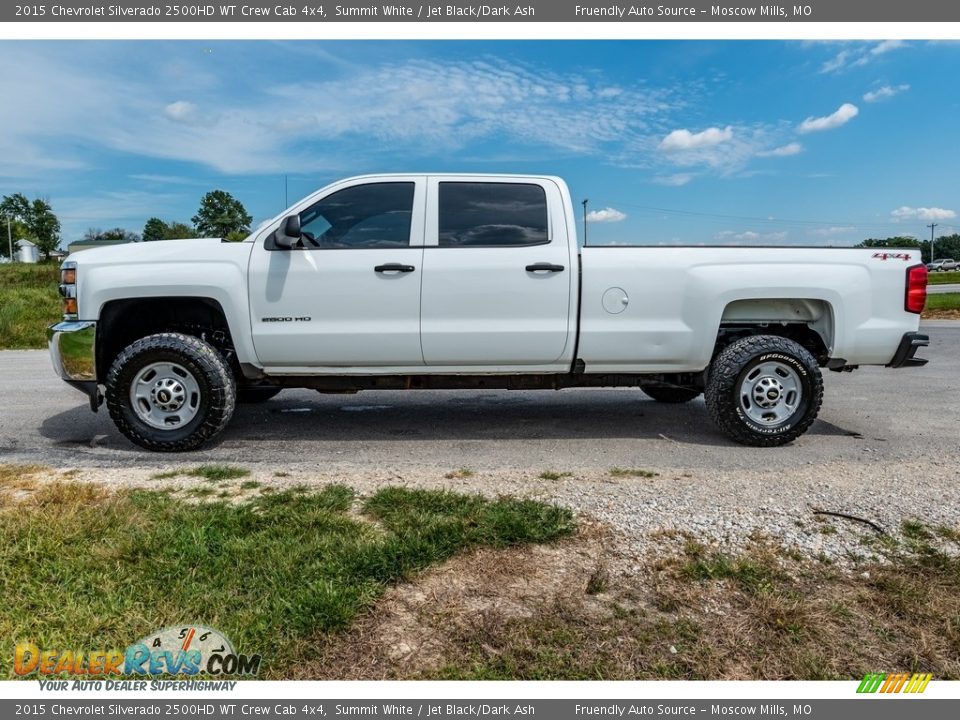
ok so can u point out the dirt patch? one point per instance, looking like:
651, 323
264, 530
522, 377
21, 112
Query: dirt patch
941, 315
416, 625
573, 610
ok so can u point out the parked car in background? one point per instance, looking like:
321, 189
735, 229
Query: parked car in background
942, 265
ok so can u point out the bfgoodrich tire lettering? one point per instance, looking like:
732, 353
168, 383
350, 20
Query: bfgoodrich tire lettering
210, 378
764, 390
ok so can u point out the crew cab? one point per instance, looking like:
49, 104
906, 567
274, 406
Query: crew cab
471, 281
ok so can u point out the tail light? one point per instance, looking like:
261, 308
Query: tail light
68, 290
916, 296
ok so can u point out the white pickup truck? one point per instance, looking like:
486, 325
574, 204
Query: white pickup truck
471, 281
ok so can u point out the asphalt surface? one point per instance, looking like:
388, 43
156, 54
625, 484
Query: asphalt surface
945, 288
871, 415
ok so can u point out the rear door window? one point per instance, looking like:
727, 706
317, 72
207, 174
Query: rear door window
482, 214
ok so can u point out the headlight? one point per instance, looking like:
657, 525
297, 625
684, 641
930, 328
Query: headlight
68, 290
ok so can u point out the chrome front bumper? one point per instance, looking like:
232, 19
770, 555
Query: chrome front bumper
74, 355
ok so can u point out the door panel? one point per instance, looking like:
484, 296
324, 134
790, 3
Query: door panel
480, 304
326, 304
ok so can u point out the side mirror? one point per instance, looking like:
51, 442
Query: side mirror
288, 233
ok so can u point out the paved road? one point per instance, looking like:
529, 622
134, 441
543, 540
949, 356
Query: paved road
945, 288
874, 414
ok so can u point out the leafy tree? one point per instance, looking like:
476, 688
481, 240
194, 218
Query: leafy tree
237, 236
16, 208
115, 234
155, 229
945, 246
44, 227
18, 231
34, 221
891, 242
221, 214
178, 231
121, 234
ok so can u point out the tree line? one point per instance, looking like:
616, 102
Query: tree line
219, 215
28, 220
945, 246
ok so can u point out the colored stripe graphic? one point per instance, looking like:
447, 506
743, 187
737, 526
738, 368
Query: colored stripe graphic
894, 683
918, 683
871, 682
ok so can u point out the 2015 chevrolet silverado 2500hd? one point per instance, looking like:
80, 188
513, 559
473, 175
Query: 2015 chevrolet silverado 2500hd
470, 281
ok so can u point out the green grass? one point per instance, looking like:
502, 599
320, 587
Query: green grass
943, 301
632, 472
752, 574
29, 302
554, 475
90, 569
210, 473
942, 278
460, 474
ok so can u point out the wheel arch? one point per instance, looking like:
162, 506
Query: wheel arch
126, 320
809, 321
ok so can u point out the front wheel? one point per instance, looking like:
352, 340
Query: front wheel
764, 390
170, 392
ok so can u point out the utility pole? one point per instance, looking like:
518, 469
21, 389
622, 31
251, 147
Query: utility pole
585, 201
9, 238
931, 226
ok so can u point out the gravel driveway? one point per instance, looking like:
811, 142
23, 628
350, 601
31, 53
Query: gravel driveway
886, 449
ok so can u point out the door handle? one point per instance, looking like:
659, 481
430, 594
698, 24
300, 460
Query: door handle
394, 267
548, 267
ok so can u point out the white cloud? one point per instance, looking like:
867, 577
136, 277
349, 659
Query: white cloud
793, 148
926, 214
750, 237
180, 111
884, 93
838, 62
608, 214
844, 114
679, 140
860, 56
87, 98
674, 180
886, 46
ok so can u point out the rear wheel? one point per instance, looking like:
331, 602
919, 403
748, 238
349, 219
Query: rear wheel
764, 390
170, 392
672, 395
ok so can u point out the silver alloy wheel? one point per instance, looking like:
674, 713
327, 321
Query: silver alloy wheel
770, 393
165, 395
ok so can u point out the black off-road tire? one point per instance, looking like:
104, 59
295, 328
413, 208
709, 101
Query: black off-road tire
252, 394
208, 367
671, 395
732, 366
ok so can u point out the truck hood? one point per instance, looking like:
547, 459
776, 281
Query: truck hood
157, 251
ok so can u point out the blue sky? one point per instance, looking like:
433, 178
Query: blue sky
746, 142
